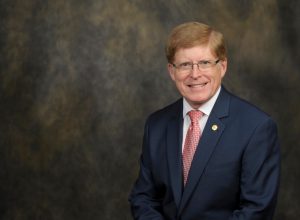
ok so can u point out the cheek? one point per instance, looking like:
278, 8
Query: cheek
178, 79
180, 85
218, 78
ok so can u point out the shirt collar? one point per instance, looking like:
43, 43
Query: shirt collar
205, 107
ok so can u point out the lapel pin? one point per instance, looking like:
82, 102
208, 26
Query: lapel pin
214, 127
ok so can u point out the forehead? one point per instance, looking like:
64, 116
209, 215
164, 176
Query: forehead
195, 53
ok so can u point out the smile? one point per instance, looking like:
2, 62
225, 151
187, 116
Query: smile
197, 85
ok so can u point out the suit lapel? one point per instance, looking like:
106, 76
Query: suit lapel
209, 139
206, 146
174, 139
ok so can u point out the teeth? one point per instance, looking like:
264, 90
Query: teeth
198, 85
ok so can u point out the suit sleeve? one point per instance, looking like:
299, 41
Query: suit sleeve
144, 198
260, 175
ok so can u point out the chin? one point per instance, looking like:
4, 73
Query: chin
196, 103
198, 99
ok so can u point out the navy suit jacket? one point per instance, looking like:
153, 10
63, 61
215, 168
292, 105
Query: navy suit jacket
234, 173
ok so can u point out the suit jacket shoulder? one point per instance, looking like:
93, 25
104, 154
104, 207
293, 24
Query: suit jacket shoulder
162, 116
244, 110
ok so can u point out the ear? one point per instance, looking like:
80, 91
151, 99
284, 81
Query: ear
223, 67
171, 71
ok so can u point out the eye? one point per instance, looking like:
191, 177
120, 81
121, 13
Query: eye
185, 64
204, 62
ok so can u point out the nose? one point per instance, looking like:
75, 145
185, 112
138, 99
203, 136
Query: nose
195, 72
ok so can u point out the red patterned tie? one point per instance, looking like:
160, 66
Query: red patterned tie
191, 141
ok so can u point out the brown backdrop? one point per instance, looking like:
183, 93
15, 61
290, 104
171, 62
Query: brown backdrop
78, 78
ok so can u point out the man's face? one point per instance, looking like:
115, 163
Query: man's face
197, 86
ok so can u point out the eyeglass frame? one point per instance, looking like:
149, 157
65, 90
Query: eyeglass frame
191, 65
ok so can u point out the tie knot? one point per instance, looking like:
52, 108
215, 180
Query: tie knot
195, 115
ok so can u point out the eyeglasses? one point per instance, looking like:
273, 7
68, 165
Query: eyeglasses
202, 65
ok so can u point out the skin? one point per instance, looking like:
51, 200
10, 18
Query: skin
197, 86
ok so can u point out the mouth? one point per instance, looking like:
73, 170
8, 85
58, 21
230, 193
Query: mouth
197, 85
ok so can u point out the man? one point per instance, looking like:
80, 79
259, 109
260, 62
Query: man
209, 155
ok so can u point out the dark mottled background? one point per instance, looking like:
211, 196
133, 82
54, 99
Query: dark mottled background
78, 78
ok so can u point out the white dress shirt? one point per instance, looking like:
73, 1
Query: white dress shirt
205, 108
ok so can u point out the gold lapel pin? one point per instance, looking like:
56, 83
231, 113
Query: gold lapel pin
214, 127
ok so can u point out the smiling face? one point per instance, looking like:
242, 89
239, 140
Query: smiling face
197, 86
